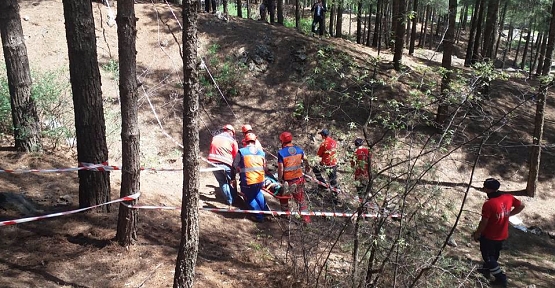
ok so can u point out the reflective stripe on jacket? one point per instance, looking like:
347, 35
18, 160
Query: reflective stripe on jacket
292, 158
251, 165
223, 149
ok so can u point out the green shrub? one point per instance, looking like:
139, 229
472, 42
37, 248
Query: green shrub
5, 107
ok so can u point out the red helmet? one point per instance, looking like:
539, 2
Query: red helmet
250, 137
228, 127
246, 128
286, 137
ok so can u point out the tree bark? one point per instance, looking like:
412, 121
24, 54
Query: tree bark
332, 19
480, 20
535, 154
413, 29
448, 43
473, 23
359, 22
297, 14
541, 55
280, 11
94, 186
339, 24
239, 9
377, 23
130, 134
491, 23
529, 36
399, 33
24, 110
188, 248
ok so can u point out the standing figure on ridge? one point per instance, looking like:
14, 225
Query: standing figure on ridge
222, 152
290, 170
250, 162
318, 17
494, 228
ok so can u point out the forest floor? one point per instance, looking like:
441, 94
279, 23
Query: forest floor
77, 250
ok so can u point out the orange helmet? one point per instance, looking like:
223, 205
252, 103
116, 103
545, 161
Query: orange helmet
250, 137
246, 128
286, 137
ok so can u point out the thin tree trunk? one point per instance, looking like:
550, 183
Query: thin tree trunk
249, 12
448, 44
332, 19
94, 186
280, 11
413, 32
480, 19
541, 55
188, 248
501, 28
535, 153
377, 23
297, 14
399, 33
339, 25
432, 29
489, 30
359, 22
534, 56
529, 37
130, 135
518, 48
239, 9
473, 23
24, 110
424, 31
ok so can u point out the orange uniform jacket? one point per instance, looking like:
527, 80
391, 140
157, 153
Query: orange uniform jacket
250, 161
327, 152
292, 158
223, 149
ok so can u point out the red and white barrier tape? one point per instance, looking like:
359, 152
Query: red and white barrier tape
29, 219
97, 167
275, 213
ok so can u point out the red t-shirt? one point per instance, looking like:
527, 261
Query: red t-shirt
327, 152
497, 211
360, 162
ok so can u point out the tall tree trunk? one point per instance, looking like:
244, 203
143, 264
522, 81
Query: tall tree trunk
377, 23
94, 186
535, 154
130, 135
432, 29
188, 248
399, 18
297, 14
413, 32
24, 110
339, 25
473, 23
239, 9
280, 11
491, 23
424, 30
448, 43
226, 9
249, 12
332, 19
480, 20
501, 28
367, 25
529, 36
359, 22
518, 48
534, 55
541, 57
464, 19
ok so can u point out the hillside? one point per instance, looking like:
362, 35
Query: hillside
275, 79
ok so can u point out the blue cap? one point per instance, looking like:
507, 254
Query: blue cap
325, 132
358, 142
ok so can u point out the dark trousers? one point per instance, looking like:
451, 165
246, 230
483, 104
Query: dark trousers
490, 250
207, 5
331, 172
318, 20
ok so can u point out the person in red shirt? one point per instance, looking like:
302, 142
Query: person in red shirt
494, 228
360, 162
222, 152
328, 164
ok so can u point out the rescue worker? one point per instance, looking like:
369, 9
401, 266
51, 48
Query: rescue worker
250, 162
290, 170
328, 164
248, 129
223, 150
494, 228
360, 162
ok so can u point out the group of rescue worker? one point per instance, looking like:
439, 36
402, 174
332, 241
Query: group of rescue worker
250, 163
